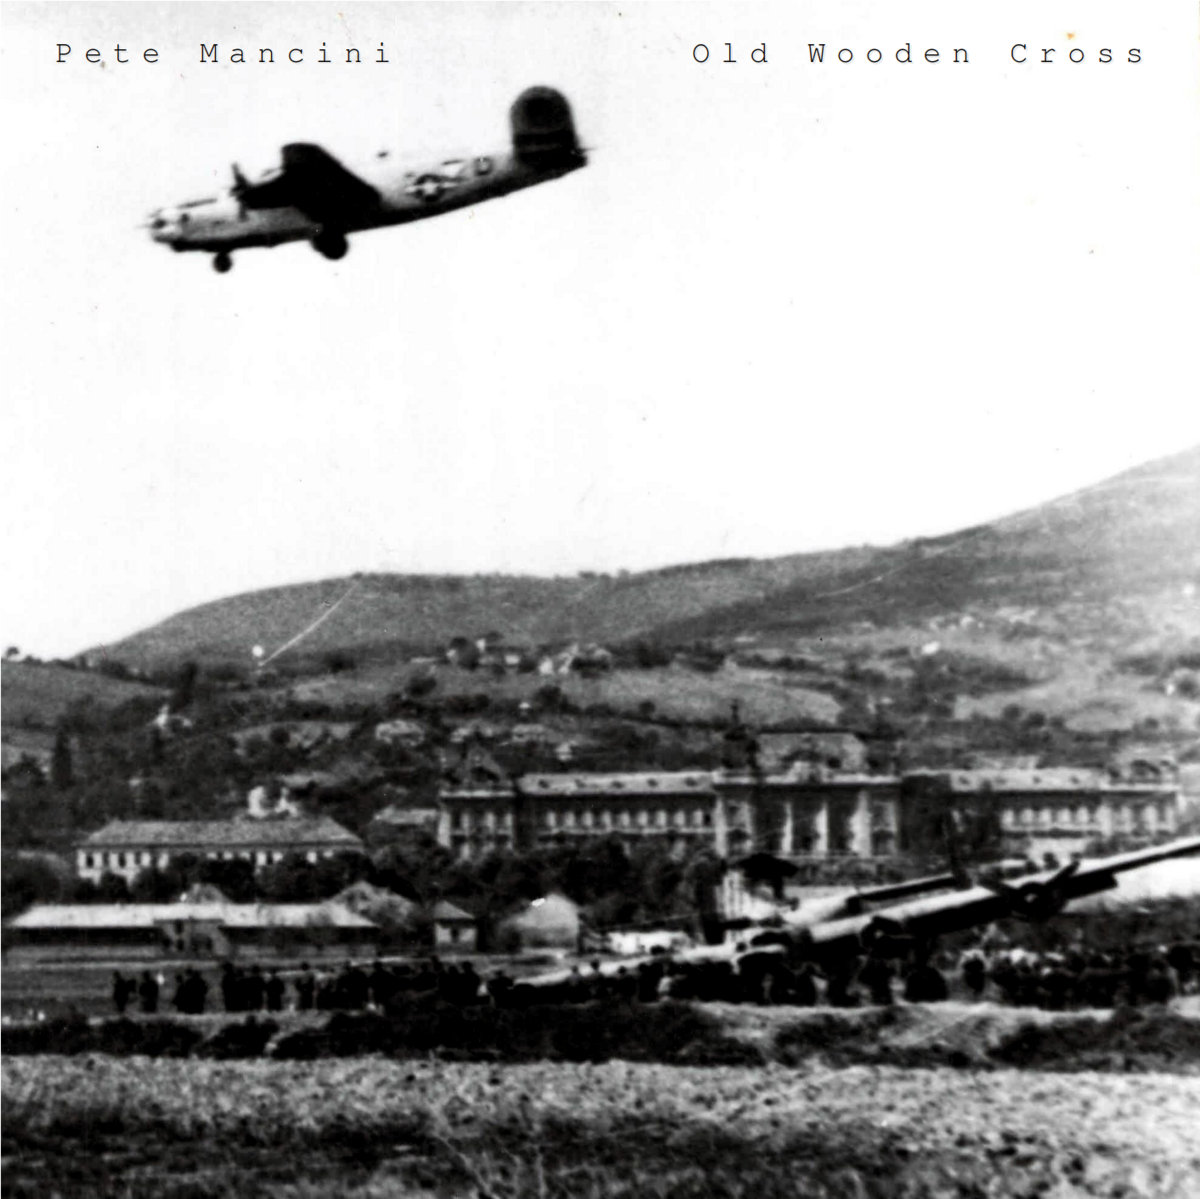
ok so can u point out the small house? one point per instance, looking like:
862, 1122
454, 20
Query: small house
453, 929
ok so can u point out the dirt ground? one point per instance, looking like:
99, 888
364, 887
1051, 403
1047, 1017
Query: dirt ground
368, 1128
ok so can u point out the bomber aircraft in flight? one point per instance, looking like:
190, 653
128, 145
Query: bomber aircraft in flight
312, 197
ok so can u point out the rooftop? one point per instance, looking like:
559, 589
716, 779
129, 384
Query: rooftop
447, 913
292, 832
1055, 778
690, 782
148, 915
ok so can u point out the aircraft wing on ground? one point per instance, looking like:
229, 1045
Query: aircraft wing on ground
817, 911
314, 182
1034, 897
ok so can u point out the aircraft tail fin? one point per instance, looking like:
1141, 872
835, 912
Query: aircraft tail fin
543, 130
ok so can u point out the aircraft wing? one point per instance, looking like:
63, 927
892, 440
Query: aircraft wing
1036, 896
316, 184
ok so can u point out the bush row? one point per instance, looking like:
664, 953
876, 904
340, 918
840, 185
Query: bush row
667, 1033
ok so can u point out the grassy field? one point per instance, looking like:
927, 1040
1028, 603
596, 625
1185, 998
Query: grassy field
367, 1128
36, 693
677, 693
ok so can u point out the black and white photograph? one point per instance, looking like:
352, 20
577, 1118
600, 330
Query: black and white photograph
602, 600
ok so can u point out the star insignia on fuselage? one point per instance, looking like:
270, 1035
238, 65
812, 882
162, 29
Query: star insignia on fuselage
427, 188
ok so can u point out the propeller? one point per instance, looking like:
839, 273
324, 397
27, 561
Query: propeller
241, 185
880, 929
1035, 900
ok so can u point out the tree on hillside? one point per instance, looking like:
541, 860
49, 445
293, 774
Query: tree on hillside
292, 880
338, 872
153, 885
112, 888
233, 877
26, 881
413, 868
62, 771
421, 685
185, 687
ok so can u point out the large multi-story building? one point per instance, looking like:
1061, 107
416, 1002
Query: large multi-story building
557, 809
1055, 811
808, 812
801, 812
126, 848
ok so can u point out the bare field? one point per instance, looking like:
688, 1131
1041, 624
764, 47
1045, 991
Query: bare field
676, 692
372, 1127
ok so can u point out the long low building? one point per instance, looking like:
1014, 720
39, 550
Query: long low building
127, 847
126, 931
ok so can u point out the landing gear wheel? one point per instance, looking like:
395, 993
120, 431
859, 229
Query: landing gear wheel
331, 244
222, 263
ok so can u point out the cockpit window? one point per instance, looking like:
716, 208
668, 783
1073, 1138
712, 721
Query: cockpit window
199, 203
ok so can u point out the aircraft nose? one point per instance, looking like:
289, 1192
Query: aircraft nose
161, 228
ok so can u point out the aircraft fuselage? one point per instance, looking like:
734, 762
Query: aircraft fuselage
407, 193
313, 197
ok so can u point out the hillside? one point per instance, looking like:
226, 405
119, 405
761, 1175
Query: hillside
37, 693
1065, 635
395, 615
1115, 552
1130, 538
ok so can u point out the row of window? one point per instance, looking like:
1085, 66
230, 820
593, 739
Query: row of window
606, 818
140, 859
1123, 816
481, 820
589, 818
467, 845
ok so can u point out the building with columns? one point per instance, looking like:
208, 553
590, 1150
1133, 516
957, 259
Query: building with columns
803, 812
808, 812
1058, 810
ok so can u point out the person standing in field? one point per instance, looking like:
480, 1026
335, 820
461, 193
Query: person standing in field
274, 989
122, 990
253, 989
306, 987
876, 976
148, 993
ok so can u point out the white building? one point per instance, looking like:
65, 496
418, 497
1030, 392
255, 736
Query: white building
127, 847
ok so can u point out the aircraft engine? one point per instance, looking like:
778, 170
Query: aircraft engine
1035, 901
543, 131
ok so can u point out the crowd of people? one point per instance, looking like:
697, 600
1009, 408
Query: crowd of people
253, 988
1080, 978
1055, 981
189, 997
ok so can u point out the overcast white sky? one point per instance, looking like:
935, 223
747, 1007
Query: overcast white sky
786, 307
